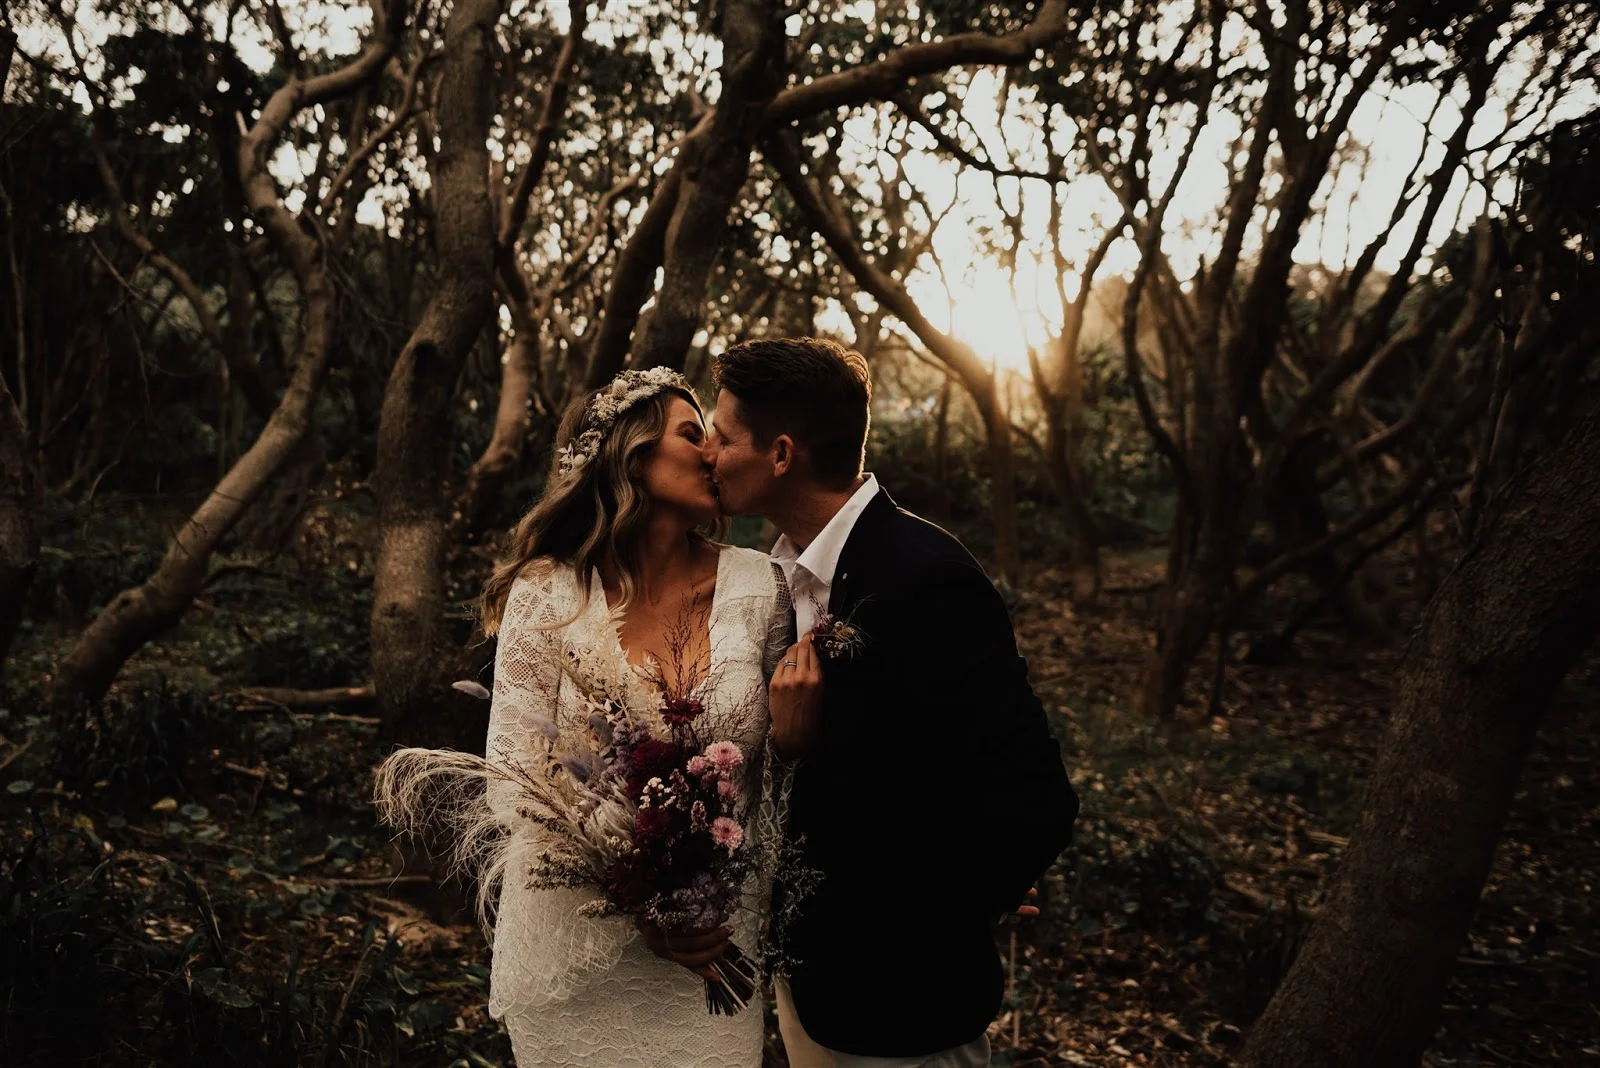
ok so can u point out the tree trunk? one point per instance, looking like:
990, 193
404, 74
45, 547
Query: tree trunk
713, 169
500, 459
138, 614
19, 481
1061, 466
1184, 619
1493, 646
409, 659
19, 519
941, 446
1002, 485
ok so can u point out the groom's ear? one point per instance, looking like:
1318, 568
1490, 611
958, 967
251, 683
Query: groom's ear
783, 455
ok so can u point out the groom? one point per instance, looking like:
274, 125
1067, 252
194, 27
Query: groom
929, 792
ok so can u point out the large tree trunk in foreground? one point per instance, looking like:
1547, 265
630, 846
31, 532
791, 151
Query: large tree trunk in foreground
1494, 644
410, 664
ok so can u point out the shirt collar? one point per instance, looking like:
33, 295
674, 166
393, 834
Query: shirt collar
821, 557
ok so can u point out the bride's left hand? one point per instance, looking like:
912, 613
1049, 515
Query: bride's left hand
694, 950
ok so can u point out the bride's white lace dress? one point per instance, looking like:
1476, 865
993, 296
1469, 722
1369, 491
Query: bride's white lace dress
579, 991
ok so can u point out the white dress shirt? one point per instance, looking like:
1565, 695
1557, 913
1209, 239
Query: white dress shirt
810, 571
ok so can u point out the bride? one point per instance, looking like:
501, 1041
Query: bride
611, 570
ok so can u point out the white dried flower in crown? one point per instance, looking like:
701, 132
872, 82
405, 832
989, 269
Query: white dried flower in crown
626, 390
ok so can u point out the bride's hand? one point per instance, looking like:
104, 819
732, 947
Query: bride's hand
795, 700
695, 950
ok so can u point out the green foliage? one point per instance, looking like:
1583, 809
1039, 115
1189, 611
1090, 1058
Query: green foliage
308, 647
60, 924
133, 743
1156, 885
88, 976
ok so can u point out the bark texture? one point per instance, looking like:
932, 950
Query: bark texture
1494, 644
409, 658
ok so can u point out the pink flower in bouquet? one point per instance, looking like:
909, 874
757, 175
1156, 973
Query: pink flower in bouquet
727, 833
724, 756
728, 790
698, 765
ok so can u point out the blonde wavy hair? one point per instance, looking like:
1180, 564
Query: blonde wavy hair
592, 516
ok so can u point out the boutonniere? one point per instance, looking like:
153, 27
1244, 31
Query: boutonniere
837, 639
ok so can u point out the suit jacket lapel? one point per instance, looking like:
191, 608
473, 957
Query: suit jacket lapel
857, 553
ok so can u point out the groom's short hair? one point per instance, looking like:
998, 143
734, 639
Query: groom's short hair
816, 391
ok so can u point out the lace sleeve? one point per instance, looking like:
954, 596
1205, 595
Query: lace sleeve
544, 950
527, 682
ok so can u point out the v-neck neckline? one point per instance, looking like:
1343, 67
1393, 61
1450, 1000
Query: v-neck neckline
612, 623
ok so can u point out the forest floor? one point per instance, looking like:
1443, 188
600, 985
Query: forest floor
195, 876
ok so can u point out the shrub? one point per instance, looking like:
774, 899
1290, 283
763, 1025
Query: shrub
132, 743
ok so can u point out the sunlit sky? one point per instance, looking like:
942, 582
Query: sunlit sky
974, 298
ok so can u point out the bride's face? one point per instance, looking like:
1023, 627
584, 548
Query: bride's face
675, 474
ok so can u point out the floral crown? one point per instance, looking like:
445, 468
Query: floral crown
625, 390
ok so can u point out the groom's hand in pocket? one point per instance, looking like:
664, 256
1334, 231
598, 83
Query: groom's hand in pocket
795, 700
695, 950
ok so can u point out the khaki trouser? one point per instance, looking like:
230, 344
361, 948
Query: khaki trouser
805, 1053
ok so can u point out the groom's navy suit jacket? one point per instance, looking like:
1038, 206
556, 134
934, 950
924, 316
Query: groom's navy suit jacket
935, 799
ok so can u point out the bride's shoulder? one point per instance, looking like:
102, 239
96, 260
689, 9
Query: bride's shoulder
751, 571
544, 578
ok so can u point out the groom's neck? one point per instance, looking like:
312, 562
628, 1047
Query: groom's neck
803, 517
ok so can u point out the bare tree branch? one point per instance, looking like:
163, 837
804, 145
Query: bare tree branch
407, 109
883, 79
905, 103
544, 134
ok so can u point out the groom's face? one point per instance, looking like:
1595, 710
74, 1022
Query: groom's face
743, 473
